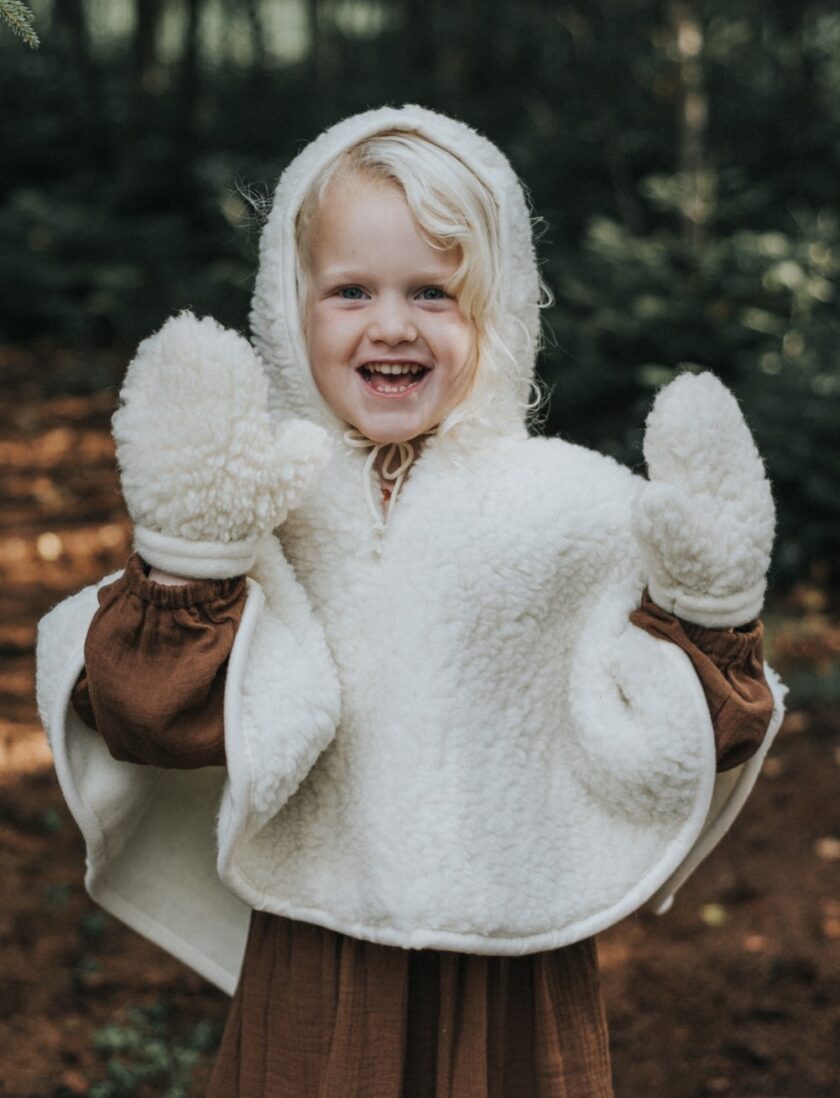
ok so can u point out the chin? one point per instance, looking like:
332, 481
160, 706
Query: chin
382, 432
384, 436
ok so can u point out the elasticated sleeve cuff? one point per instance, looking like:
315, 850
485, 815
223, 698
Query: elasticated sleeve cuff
175, 596
730, 667
156, 661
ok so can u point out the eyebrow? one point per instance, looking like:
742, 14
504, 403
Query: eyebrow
350, 274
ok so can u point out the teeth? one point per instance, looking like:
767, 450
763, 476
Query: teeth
394, 368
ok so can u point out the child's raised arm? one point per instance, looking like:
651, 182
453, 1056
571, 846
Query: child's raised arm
204, 474
702, 529
156, 659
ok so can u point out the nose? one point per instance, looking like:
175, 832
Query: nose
391, 323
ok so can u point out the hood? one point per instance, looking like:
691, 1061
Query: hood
275, 321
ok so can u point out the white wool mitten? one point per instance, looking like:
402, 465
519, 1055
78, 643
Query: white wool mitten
205, 473
705, 521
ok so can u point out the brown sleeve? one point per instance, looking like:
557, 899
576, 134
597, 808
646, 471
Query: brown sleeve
155, 665
730, 666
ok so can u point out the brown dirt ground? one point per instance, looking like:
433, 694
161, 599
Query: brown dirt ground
736, 992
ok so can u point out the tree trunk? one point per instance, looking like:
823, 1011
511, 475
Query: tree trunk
184, 132
693, 106
796, 75
253, 12
147, 15
71, 31
418, 35
454, 48
585, 32
321, 45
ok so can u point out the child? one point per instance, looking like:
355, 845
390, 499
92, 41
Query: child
401, 703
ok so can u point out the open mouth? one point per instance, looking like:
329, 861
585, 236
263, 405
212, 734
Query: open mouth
393, 379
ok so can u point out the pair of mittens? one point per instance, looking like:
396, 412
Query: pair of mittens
206, 473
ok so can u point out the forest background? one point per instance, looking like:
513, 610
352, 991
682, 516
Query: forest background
683, 159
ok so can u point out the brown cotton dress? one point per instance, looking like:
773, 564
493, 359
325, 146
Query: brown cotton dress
317, 1013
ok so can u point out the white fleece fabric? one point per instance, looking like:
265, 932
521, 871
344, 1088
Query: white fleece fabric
204, 480
456, 741
705, 522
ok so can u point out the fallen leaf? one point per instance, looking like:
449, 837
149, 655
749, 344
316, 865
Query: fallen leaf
755, 943
828, 848
773, 768
796, 721
74, 1081
831, 928
719, 1084
49, 546
713, 914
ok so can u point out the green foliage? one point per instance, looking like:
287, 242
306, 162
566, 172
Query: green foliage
57, 895
21, 20
120, 203
50, 820
809, 689
800, 643
144, 1051
758, 308
93, 925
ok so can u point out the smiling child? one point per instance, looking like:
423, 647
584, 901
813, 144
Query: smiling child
395, 706
378, 294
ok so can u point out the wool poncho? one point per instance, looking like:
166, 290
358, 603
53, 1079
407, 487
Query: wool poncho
442, 730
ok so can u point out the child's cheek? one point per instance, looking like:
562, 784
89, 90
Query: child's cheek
326, 333
337, 323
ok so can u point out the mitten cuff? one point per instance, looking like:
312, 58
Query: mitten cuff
195, 559
713, 612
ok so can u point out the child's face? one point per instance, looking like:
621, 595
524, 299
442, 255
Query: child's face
376, 297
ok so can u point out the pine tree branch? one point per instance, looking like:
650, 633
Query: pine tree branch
21, 20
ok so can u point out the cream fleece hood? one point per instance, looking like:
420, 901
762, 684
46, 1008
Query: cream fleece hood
275, 315
454, 741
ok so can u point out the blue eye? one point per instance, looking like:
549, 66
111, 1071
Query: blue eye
433, 293
351, 293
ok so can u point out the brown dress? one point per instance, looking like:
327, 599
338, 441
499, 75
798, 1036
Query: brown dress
317, 1013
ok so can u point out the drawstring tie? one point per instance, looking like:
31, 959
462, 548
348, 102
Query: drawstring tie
402, 450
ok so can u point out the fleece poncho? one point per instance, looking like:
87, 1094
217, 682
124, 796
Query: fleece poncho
441, 729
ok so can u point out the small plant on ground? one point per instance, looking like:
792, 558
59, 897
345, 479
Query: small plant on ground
143, 1050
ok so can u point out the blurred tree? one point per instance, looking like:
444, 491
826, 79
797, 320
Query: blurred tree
72, 37
692, 169
253, 12
184, 129
147, 17
143, 80
322, 44
419, 21
683, 158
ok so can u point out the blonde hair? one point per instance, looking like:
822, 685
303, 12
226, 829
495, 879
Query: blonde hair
454, 209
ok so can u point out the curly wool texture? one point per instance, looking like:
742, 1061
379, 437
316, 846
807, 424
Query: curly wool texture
705, 522
196, 446
515, 766
57, 634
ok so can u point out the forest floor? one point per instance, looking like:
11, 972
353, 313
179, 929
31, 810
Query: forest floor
735, 992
